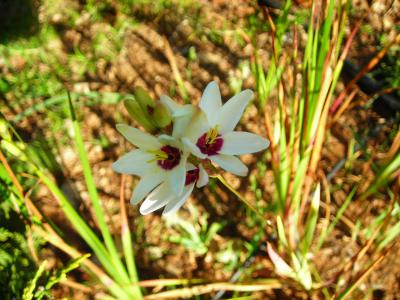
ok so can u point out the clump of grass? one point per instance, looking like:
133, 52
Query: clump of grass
302, 83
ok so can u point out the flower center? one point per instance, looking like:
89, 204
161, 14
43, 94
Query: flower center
192, 176
210, 142
168, 157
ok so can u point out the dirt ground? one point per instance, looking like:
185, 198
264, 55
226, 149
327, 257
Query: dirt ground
142, 60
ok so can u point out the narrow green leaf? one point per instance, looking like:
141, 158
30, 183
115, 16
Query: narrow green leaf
99, 213
311, 220
338, 216
383, 176
28, 292
392, 233
281, 232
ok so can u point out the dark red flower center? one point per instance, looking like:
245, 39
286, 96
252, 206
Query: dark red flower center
192, 176
210, 145
169, 157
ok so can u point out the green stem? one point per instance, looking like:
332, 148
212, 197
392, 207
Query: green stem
237, 194
127, 239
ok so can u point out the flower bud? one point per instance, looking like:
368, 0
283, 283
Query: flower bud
152, 115
161, 116
139, 115
145, 101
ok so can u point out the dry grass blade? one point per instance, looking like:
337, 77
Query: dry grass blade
213, 287
11, 174
362, 276
394, 149
168, 282
322, 123
343, 107
32, 209
315, 157
56, 241
77, 286
169, 54
368, 244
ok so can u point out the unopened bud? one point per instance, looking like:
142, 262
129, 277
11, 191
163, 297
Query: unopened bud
145, 101
161, 116
139, 115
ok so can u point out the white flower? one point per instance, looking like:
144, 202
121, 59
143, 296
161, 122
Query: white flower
164, 196
167, 179
158, 161
210, 133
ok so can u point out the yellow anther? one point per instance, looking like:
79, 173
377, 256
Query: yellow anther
159, 155
212, 135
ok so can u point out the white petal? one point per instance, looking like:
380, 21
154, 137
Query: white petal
211, 102
180, 125
230, 163
170, 104
146, 184
190, 167
170, 140
230, 114
203, 177
135, 162
177, 176
139, 138
174, 204
157, 199
193, 148
197, 127
239, 142
182, 118
185, 111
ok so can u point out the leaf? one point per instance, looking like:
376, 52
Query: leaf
311, 220
28, 291
281, 231
282, 268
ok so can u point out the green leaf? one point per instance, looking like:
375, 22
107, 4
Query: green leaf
28, 291
311, 220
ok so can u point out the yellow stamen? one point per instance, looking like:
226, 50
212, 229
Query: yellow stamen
212, 134
158, 155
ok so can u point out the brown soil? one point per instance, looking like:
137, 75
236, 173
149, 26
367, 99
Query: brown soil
142, 61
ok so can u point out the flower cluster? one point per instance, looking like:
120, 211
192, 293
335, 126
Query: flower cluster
170, 166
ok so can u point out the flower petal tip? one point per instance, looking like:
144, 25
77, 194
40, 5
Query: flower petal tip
114, 167
242, 173
267, 143
248, 94
121, 126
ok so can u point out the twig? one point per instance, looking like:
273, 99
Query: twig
175, 71
208, 288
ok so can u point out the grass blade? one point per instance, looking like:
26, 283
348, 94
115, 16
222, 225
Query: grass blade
127, 237
99, 214
337, 218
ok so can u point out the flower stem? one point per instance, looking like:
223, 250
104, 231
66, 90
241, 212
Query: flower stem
237, 194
